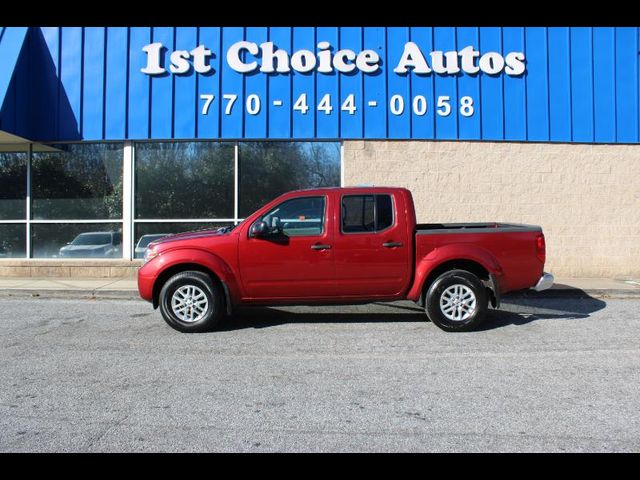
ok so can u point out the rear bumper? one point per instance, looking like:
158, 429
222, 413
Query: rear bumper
545, 282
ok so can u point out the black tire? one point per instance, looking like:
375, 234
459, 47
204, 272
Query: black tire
211, 317
467, 282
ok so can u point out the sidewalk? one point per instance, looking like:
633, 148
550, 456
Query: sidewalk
127, 287
69, 287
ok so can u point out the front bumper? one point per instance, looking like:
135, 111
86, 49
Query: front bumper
545, 282
146, 280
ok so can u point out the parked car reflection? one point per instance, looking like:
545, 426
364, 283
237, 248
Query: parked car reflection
94, 244
144, 241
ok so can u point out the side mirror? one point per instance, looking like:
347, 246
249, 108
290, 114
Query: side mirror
258, 229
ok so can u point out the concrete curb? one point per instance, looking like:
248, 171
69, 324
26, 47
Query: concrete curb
72, 294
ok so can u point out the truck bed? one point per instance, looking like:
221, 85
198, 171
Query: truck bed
481, 227
512, 243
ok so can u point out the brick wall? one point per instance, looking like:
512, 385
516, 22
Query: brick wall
586, 197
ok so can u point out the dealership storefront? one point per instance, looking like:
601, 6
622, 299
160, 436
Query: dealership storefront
110, 135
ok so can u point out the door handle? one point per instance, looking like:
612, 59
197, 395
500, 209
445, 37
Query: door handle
320, 247
392, 244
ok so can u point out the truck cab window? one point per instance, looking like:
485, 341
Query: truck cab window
297, 217
366, 213
384, 212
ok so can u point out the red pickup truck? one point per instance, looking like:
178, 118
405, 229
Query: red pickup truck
341, 245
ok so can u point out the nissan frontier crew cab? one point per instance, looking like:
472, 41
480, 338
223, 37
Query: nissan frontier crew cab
341, 245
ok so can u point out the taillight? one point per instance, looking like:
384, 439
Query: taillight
541, 248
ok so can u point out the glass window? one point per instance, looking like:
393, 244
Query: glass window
13, 182
184, 180
297, 217
269, 169
384, 212
13, 240
145, 233
359, 214
77, 181
76, 240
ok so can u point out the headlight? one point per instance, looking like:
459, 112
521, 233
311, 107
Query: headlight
150, 253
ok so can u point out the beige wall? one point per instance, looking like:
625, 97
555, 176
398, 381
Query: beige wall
586, 197
105, 268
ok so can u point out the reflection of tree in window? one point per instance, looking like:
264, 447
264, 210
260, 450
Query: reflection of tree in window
78, 181
184, 180
13, 185
12, 240
269, 169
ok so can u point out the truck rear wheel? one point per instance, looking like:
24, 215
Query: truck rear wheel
456, 301
191, 302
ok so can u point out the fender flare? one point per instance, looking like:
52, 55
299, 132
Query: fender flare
203, 259
451, 252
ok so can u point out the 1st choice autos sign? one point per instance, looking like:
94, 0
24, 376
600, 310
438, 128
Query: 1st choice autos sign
250, 58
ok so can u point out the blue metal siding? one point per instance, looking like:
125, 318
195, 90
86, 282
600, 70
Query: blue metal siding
116, 83
446, 86
469, 86
559, 84
375, 88
399, 125
255, 125
185, 99
326, 84
12, 42
138, 104
93, 83
537, 101
232, 84
71, 43
604, 90
162, 92
492, 89
515, 89
627, 85
209, 84
304, 84
581, 84
351, 120
279, 89
422, 125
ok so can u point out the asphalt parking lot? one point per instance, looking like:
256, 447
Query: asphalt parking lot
554, 374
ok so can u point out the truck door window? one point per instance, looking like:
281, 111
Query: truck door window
358, 214
298, 217
384, 212
366, 213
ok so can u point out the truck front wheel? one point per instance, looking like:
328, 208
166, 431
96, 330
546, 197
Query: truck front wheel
191, 302
456, 301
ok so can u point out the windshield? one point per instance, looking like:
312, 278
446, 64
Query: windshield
147, 239
92, 239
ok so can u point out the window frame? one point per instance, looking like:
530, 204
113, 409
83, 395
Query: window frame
375, 212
